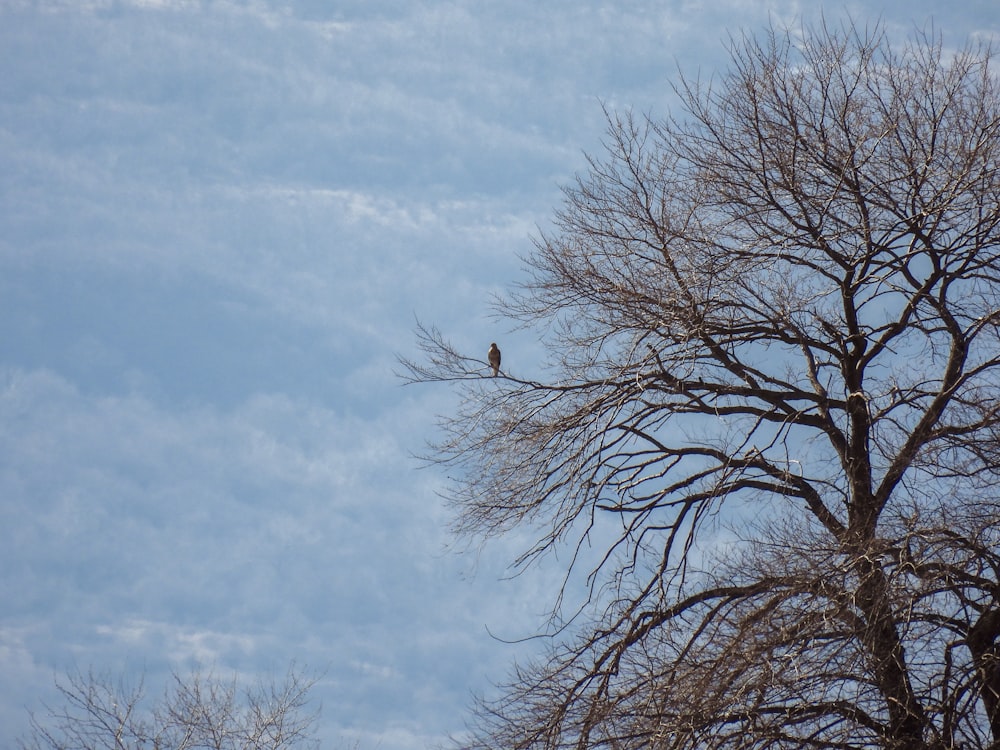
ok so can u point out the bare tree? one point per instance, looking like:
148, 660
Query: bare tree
775, 378
195, 713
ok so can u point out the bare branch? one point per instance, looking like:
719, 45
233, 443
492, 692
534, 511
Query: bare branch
772, 409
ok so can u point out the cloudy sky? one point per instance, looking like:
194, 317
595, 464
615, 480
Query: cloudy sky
219, 222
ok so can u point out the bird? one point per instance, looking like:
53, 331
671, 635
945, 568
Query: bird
494, 358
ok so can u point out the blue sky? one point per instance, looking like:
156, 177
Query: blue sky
219, 221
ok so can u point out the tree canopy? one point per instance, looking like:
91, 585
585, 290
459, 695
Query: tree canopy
772, 321
195, 712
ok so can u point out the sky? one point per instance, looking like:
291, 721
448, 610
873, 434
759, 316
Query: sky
220, 221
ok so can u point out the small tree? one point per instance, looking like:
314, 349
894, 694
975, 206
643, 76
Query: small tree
775, 365
195, 713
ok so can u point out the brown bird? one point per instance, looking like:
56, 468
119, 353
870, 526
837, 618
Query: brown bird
494, 358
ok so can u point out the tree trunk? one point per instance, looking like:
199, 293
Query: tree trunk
905, 730
982, 643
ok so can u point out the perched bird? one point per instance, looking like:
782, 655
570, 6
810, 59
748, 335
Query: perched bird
494, 358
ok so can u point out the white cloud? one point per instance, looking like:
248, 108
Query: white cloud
134, 536
217, 223
180, 645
